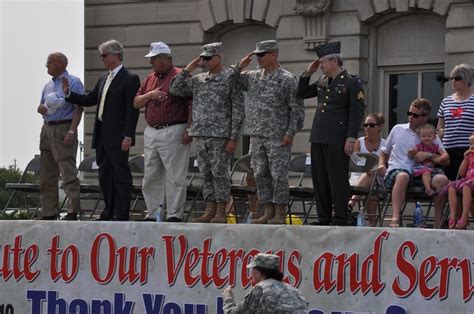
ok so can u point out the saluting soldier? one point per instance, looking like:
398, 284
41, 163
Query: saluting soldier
217, 115
273, 115
336, 124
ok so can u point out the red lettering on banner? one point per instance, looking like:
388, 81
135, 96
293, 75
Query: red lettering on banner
127, 271
467, 287
70, 258
20, 256
323, 269
407, 269
429, 267
213, 266
293, 269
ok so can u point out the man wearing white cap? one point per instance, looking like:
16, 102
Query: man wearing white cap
166, 141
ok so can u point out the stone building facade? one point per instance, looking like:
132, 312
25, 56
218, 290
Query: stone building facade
400, 48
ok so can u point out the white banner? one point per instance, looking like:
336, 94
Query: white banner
138, 267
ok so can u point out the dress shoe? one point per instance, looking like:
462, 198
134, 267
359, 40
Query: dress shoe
101, 218
147, 219
70, 216
174, 219
320, 223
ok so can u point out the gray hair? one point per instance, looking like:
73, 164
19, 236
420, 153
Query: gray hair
61, 57
112, 46
335, 56
464, 71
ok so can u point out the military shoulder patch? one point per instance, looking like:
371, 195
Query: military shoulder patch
360, 95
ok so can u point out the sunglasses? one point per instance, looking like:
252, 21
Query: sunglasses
455, 78
207, 58
261, 54
415, 115
370, 125
104, 55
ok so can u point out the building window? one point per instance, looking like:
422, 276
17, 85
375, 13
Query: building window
404, 87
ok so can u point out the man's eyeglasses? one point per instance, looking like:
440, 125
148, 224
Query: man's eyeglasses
206, 58
455, 78
104, 55
415, 115
370, 125
261, 54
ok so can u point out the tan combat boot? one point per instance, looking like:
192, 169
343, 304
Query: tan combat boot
269, 214
209, 213
280, 213
221, 217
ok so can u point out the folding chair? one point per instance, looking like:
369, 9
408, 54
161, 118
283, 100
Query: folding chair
240, 192
193, 189
413, 194
366, 163
137, 165
301, 164
27, 188
89, 190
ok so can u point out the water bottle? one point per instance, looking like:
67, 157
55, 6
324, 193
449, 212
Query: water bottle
160, 214
418, 218
249, 218
361, 218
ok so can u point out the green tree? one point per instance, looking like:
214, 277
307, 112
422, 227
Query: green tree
12, 175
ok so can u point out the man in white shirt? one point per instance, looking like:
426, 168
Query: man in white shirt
398, 177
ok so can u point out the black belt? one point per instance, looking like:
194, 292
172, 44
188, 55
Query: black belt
57, 122
164, 126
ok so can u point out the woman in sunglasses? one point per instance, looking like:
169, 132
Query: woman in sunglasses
370, 143
456, 117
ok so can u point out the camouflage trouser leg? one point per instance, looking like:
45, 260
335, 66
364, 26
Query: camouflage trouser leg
213, 163
270, 162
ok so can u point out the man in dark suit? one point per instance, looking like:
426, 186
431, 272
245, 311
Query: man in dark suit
114, 128
336, 124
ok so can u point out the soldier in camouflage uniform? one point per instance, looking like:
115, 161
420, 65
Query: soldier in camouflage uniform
270, 294
217, 115
273, 116
339, 113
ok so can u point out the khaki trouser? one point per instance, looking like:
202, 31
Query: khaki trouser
58, 158
166, 168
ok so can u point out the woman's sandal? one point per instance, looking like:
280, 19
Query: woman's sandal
451, 223
462, 224
394, 223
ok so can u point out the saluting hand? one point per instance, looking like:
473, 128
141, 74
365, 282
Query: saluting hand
228, 292
65, 84
313, 66
245, 61
193, 65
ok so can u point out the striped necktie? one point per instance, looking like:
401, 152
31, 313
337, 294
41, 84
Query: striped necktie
109, 79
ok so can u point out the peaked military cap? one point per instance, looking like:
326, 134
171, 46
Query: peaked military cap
266, 45
269, 261
328, 49
212, 49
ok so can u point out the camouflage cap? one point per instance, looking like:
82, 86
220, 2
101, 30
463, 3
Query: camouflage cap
269, 261
328, 49
266, 45
212, 49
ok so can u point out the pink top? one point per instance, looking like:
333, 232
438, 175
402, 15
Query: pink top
434, 148
470, 170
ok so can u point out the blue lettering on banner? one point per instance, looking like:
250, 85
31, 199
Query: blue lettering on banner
59, 305
155, 304
392, 309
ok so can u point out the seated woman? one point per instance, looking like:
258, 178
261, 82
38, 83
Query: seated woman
370, 143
